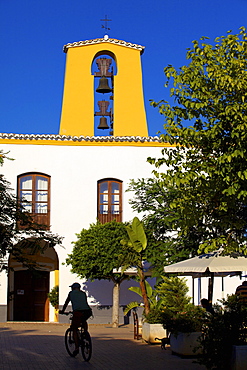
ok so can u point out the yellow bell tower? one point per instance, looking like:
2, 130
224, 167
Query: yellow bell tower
127, 116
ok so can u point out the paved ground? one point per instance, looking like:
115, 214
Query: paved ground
41, 346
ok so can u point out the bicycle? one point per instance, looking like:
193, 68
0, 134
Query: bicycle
85, 342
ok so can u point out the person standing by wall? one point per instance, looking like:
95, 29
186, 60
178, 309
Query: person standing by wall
241, 291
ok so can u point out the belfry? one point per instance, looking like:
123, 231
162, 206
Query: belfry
90, 72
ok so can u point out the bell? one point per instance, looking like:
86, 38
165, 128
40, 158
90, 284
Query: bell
103, 87
103, 124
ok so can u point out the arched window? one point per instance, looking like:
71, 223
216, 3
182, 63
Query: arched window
34, 194
109, 200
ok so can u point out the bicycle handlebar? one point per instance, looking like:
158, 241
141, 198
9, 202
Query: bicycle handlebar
65, 313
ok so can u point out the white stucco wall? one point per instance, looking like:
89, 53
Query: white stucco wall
220, 290
74, 172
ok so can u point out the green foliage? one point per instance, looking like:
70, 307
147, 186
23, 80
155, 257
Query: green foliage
137, 241
153, 198
138, 291
227, 327
169, 296
188, 321
137, 235
172, 300
53, 296
203, 177
151, 295
3, 156
172, 291
155, 316
131, 306
98, 251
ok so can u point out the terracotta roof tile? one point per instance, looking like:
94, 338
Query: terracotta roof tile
80, 138
105, 39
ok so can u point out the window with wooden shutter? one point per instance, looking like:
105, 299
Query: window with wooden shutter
109, 200
34, 195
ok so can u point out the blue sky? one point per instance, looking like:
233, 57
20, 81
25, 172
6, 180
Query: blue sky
32, 35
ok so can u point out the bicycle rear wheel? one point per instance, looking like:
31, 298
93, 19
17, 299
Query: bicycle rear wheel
86, 346
69, 342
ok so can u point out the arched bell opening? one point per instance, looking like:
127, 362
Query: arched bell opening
104, 68
28, 287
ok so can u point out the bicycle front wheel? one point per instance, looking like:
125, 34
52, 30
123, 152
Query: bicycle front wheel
69, 342
86, 346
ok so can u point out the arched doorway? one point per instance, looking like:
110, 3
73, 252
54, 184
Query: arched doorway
28, 289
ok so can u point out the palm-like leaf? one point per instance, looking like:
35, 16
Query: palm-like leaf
137, 235
130, 306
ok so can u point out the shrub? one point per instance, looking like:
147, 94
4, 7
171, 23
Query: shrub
188, 321
154, 316
173, 293
170, 293
227, 327
54, 296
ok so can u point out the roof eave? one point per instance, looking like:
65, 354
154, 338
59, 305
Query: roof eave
104, 40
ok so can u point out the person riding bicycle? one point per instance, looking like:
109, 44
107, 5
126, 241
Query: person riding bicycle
81, 311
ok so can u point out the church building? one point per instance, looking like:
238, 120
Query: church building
81, 174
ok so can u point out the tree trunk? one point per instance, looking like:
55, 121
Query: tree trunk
210, 288
115, 305
144, 292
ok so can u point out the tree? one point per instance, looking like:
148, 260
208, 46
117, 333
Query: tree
14, 239
104, 247
204, 174
145, 247
152, 197
151, 295
137, 241
97, 252
172, 291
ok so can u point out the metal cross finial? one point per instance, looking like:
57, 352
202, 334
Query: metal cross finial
106, 25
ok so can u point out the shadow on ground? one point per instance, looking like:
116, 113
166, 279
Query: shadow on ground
41, 346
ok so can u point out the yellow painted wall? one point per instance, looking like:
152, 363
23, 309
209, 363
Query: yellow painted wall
56, 317
77, 116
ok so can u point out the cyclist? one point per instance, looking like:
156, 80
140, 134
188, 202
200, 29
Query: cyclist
81, 311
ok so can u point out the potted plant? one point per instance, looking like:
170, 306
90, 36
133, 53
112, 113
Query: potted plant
185, 328
152, 322
172, 296
152, 328
169, 293
224, 340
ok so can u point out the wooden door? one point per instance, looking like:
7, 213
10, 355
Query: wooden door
30, 295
